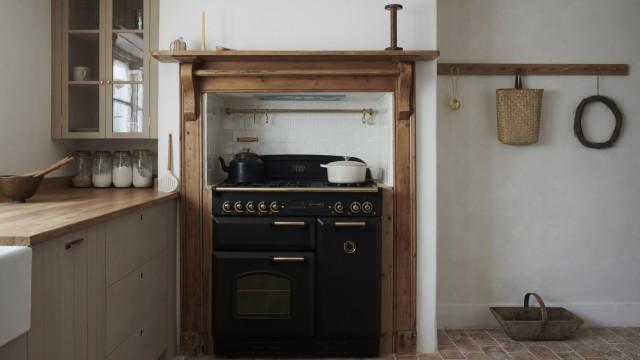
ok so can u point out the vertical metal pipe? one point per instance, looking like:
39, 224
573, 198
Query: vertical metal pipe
393, 13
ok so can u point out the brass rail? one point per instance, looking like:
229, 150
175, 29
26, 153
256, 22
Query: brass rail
369, 111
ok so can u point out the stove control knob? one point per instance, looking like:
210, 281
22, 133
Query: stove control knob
367, 207
251, 207
274, 206
338, 207
238, 206
262, 206
355, 207
226, 206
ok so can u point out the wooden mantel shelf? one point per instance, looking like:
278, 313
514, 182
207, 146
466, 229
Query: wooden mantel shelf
237, 55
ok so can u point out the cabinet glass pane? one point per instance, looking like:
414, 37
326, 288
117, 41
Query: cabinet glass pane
263, 295
84, 103
84, 14
128, 108
84, 55
128, 55
128, 15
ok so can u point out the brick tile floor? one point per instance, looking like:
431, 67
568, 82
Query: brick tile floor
621, 343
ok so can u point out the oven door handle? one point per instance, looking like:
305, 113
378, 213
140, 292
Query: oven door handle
289, 259
350, 223
289, 223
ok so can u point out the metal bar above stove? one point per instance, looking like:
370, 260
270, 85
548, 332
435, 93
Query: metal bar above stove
368, 111
330, 189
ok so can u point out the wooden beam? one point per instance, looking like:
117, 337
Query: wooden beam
533, 69
297, 73
192, 285
235, 55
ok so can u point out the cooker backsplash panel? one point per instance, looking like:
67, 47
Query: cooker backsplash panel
342, 134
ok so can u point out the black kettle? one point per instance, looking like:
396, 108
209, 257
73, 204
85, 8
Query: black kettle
246, 167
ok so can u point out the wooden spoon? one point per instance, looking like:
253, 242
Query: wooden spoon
53, 167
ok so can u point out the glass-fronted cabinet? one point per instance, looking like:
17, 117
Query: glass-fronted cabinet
102, 71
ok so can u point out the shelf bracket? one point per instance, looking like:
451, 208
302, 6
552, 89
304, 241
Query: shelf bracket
187, 85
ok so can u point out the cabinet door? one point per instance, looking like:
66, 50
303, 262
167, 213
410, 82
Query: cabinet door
127, 74
60, 301
82, 69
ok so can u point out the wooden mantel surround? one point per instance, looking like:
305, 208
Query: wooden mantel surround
293, 71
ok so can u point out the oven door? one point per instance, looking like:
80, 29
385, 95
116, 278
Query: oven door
263, 295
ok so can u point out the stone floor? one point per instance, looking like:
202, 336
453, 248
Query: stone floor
587, 344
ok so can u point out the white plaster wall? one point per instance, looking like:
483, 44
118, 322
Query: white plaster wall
555, 218
320, 25
25, 83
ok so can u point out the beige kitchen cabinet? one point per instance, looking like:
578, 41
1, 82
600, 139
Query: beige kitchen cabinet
103, 79
107, 291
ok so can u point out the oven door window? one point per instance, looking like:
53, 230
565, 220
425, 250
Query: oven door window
263, 295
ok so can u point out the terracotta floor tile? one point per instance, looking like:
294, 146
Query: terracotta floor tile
433, 356
587, 351
570, 356
498, 334
557, 346
522, 355
495, 352
542, 352
511, 346
451, 354
456, 334
629, 349
467, 345
483, 339
623, 332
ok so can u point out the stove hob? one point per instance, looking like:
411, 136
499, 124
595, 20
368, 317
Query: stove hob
298, 185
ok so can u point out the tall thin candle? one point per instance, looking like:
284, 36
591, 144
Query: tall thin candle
204, 42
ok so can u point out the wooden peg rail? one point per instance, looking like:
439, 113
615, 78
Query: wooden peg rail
533, 69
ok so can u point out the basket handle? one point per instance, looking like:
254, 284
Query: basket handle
543, 308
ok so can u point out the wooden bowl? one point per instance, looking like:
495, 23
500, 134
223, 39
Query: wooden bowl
19, 188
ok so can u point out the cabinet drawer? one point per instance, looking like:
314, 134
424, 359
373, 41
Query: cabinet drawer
253, 233
130, 300
147, 341
133, 239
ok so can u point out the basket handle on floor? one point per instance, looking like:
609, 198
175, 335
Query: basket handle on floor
543, 308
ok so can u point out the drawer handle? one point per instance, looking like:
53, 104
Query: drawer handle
289, 258
141, 332
141, 275
289, 223
73, 243
350, 223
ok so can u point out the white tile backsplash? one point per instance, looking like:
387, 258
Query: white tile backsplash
301, 133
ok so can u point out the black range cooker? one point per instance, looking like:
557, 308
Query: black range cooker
296, 263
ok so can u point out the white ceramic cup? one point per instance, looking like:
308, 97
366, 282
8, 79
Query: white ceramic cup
80, 73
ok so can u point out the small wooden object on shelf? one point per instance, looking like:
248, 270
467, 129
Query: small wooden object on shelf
393, 13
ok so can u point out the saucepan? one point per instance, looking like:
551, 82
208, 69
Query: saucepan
346, 172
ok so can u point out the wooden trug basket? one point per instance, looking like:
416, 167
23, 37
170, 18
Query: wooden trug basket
541, 323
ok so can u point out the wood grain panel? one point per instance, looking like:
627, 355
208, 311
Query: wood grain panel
191, 175
53, 212
134, 239
235, 55
298, 84
387, 276
130, 300
147, 341
16, 349
533, 69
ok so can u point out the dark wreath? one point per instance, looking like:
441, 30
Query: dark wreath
577, 124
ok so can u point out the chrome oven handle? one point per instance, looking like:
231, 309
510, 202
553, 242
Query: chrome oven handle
289, 258
350, 223
288, 223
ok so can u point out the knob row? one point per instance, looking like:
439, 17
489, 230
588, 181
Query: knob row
355, 207
250, 207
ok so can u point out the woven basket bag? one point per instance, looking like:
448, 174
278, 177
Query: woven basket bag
518, 113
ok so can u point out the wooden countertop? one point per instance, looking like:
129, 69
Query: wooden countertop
55, 211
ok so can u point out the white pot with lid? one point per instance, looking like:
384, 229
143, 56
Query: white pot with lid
346, 172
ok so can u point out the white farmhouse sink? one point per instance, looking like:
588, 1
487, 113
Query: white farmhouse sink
15, 292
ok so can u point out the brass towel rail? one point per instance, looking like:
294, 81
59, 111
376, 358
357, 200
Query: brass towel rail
369, 111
